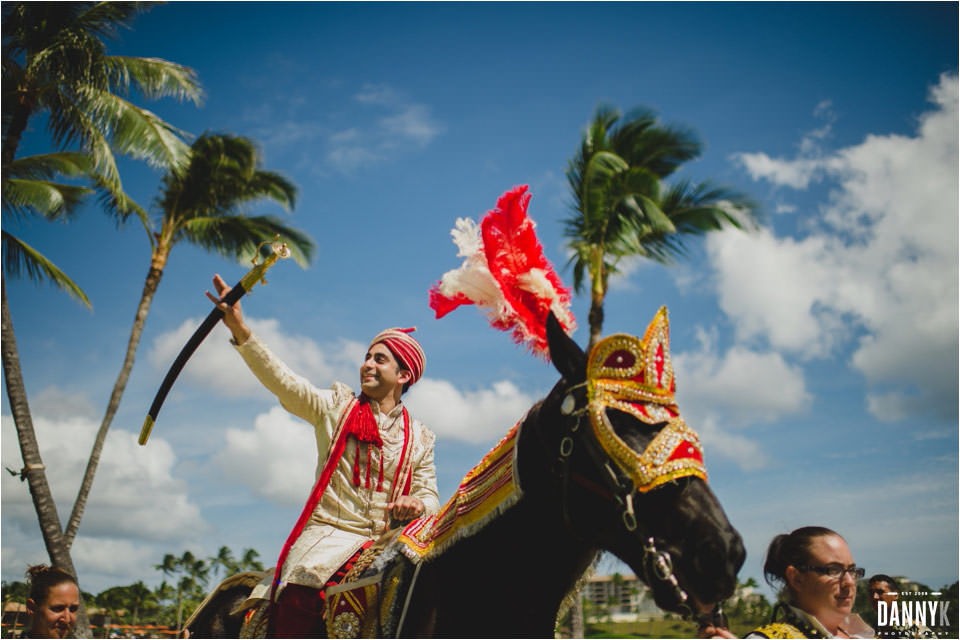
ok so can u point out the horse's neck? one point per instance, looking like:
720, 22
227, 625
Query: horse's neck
526, 556
529, 543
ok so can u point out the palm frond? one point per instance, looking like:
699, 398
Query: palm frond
696, 210
115, 201
223, 175
154, 78
19, 257
237, 237
69, 122
24, 197
662, 149
104, 19
579, 261
619, 207
137, 132
46, 166
273, 186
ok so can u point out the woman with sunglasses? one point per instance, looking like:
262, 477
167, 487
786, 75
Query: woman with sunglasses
53, 603
815, 569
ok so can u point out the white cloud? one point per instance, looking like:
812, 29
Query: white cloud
290, 131
783, 207
350, 158
720, 393
413, 124
800, 172
774, 288
137, 496
746, 453
276, 459
744, 386
475, 416
398, 125
881, 259
132, 484
380, 94
376, 124
112, 559
792, 173
218, 367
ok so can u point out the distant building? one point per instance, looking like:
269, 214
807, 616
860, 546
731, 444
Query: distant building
619, 598
15, 619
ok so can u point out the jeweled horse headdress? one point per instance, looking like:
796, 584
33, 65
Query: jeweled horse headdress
505, 272
636, 376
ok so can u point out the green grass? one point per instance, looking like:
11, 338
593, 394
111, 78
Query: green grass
669, 628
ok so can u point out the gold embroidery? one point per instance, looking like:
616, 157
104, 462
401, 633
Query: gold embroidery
636, 376
780, 630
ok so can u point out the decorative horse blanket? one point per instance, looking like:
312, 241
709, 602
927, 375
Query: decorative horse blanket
373, 604
489, 489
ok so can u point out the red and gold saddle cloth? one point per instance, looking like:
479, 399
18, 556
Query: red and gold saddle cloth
486, 491
303, 612
352, 609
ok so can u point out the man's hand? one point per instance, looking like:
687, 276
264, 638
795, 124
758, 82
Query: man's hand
711, 631
406, 508
232, 315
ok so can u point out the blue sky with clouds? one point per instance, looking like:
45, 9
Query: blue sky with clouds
817, 356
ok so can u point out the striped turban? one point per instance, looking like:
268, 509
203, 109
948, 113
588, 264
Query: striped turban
404, 348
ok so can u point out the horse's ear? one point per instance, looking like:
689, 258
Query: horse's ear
567, 357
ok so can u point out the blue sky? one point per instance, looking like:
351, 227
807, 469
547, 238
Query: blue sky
817, 356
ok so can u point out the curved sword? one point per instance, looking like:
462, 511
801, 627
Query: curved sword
248, 281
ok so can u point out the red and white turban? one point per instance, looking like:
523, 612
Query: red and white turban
405, 348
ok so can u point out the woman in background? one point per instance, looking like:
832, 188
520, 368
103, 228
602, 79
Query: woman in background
54, 601
815, 569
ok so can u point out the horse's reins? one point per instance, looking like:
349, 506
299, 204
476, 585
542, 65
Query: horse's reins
657, 565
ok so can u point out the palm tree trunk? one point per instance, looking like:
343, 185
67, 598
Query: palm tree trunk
179, 608
18, 123
33, 469
157, 265
598, 291
576, 618
595, 318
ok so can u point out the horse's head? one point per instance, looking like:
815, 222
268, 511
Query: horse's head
630, 468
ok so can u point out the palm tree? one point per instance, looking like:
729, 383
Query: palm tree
172, 566
202, 205
223, 560
137, 599
622, 208
29, 190
163, 593
114, 603
195, 575
250, 561
55, 62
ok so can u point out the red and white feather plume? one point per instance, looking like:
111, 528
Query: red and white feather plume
505, 272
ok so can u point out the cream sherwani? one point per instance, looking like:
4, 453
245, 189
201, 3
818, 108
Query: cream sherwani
347, 515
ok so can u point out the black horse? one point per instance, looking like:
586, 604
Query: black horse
509, 578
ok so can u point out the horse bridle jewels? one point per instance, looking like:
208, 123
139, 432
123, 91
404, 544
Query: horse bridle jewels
636, 376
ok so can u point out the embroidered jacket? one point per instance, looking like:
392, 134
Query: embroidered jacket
347, 515
788, 621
